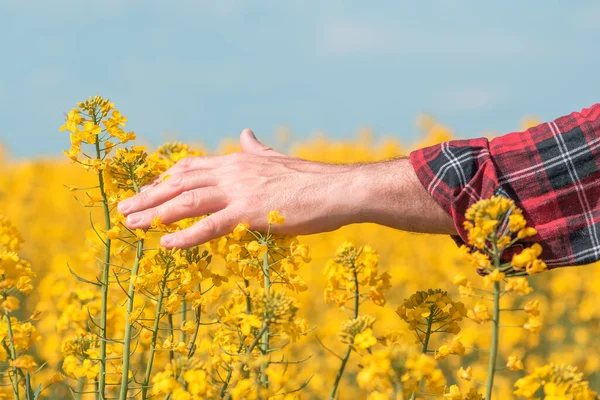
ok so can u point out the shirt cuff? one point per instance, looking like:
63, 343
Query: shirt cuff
457, 174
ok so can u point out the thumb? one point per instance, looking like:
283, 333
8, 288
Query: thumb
250, 144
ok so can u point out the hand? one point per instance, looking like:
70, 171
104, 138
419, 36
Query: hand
244, 187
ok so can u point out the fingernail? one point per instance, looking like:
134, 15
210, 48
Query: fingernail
167, 240
124, 206
134, 219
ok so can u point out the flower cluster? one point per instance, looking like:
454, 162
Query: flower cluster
95, 121
355, 266
433, 311
16, 336
231, 310
184, 379
494, 225
358, 332
396, 372
557, 382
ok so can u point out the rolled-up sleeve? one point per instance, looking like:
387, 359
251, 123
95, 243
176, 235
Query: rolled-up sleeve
551, 171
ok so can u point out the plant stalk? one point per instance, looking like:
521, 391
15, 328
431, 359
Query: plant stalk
494, 346
154, 333
128, 324
346, 356
104, 280
425, 342
13, 355
264, 379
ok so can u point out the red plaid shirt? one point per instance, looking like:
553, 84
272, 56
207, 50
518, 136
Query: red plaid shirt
551, 171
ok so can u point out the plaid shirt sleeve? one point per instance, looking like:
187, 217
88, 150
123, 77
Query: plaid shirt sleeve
551, 171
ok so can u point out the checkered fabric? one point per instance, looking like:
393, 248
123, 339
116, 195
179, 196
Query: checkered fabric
551, 171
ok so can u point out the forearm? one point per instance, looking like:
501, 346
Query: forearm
389, 193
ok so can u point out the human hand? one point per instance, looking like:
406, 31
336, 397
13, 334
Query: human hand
244, 187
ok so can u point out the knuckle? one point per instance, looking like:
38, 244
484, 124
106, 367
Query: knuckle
155, 212
209, 226
175, 181
235, 156
235, 159
185, 162
251, 202
142, 198
188, 199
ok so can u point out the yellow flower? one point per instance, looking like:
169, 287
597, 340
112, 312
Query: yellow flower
526, 257
73, 120
536, 267
532, 307
173, 303
256, 249
514, 363
453, 393
73, 152
10, 304
516, 222
163, 383
239, 231
113, 233
555, 391
466, 374
454, 347
479, 313
25, 362
442, 352
365, 339
518, 285
197, 381
460, 279
248, 322
494, 276
472, 394
276, 218
188, 327
533, 324
526, 232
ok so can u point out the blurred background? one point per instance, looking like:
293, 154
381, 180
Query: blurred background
319, 75
201, 71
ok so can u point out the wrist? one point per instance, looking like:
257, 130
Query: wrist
389, 193
374, 190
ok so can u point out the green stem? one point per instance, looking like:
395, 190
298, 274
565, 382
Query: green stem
154, 334
264, 379
425, 342
427, 334
28, 391
183, 318
80, 389
13, 355
128, 324
346, 357
495, 323
494, 347
255, 342
226, 383
104, 280
192, 345
171, 330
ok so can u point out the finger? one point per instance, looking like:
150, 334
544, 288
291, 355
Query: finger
185, 165
192, 203
250, 144
211, 227
157, 194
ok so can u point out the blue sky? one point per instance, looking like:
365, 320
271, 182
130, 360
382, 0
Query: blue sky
204, 70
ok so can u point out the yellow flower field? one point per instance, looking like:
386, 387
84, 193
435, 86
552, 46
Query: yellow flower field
92, 310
